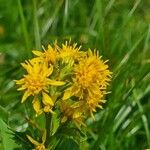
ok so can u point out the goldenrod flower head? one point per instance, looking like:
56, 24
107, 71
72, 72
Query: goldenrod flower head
49, 55
91, 77
37, 81
70, 52
91, 72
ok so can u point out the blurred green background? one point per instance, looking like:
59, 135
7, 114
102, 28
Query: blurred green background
119, 29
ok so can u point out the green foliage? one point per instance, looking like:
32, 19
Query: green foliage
21, 139
3, 114
120, 30
6, 138
68, 138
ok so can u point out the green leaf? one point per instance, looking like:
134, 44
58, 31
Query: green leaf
67, 144
3, 114
55, 123
72, 133
7, 142
21, 139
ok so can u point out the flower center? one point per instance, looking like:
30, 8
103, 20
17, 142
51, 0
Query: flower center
34, 84
86, 77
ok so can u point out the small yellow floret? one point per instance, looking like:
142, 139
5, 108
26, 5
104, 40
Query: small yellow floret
49, 55
70, 53
72, 113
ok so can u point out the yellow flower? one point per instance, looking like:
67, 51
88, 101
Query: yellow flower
91, 77
36, 81
38, 146
73, 113
70, 53
50, 55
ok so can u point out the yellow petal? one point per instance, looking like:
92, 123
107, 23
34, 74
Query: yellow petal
36, 68
56, 83
47, 99
103, 101
27, 66
49, 71
36, 106
37, 53
92, 115
21, 81
32, 140
21, 88
99, 106
37, 59
24, 65
49, 46
25, 96
77, 104
68, 93
77, 115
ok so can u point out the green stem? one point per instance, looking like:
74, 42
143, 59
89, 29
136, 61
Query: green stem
48, 118
24, 27
36, 26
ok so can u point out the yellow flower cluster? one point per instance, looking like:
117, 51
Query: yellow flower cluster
66, 77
